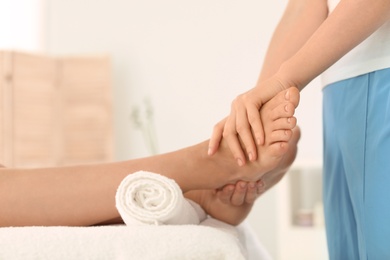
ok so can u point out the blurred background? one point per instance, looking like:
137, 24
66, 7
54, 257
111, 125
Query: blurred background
176, 67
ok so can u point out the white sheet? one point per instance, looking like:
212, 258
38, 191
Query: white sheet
211, 239
149, 203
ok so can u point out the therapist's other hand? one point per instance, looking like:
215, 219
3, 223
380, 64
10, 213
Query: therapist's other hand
231, 203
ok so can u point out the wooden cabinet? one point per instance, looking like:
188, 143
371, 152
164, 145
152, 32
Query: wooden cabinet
54, 110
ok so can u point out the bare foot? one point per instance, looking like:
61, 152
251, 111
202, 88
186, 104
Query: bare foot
278, 121
192, 168
278, 128
233, 202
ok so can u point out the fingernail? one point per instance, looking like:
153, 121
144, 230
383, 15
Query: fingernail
260, 184
252, 185
209, 151
243, 185
239, 161
287, 95
286, 108
250, 156
289, 120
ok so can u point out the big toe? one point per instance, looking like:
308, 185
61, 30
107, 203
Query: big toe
293, 95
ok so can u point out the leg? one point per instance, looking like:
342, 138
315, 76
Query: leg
376, 207
84, 194
356, 194
344, 168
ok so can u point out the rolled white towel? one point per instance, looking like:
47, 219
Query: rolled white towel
150, 198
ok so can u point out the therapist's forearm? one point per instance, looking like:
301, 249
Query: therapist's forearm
300, 20
350, 23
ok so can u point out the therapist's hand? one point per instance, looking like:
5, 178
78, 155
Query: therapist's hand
231, 203
241, 193
243, 128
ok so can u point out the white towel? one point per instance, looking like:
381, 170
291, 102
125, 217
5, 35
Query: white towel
146, 242
150, 198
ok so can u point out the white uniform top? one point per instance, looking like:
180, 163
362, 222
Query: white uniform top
372, 54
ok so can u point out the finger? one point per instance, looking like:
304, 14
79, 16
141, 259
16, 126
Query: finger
256, 124
251, 193
238, 197
244, 132
247, 142
216, 137
225, 194
236, 149
233, 142
260, 185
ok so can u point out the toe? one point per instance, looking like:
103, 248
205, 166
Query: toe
294, 96
284, 123
283, 110
278, 149
279, 136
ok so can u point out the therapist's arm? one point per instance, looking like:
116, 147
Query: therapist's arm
300, 20
349, 24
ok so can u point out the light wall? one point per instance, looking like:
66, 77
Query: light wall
190, 59
21, 24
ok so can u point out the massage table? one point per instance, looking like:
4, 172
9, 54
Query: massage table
179, 230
